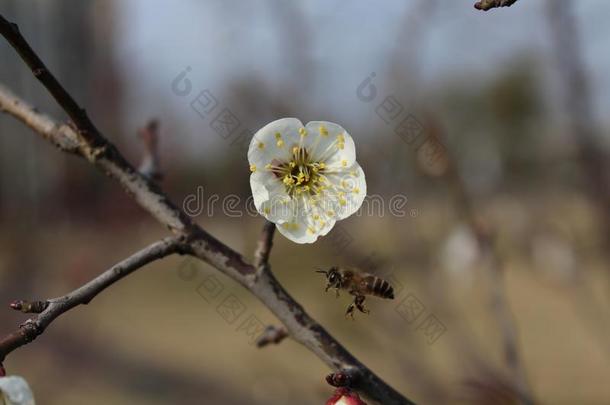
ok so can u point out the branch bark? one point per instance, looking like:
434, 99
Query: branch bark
265, 243
84, 139
272, 334
486, 5
51, 309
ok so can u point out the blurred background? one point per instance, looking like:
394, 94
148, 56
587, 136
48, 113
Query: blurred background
491, 128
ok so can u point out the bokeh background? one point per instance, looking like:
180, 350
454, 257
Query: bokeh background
507, 142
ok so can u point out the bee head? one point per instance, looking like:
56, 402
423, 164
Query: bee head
333, 276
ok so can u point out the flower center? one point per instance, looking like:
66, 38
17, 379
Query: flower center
300, 174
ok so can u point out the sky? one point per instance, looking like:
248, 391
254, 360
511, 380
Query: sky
225, 40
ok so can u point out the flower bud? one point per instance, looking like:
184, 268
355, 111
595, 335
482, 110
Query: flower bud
345, 396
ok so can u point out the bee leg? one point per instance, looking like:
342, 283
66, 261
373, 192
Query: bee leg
337, 292
350, 311
359, 302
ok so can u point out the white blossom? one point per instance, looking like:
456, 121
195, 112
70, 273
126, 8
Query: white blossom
305, 178
15, 391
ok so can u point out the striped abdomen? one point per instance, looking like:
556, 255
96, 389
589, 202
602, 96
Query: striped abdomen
380, 288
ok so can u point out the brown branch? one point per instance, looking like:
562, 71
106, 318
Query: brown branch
265, 243
87, 131
95, 148
29, 307
489, 4
272, 334
51, 309
342, 378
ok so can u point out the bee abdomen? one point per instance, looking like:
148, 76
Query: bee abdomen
383, 289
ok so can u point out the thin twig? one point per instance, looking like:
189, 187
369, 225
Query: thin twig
489, 4
29, 307
272, 334
87, 131
99, 151
53, 308
265, 243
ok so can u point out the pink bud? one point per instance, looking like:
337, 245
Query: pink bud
345, 396
16, 305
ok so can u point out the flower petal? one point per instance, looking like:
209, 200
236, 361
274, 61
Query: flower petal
273, 141
330, 143
15, 391
306, 226
271, 199
310, 210
346, 192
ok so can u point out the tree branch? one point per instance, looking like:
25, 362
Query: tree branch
99, 151
265, 243
489, 4
51, 309
272, 334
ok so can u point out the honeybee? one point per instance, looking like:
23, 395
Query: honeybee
357, 283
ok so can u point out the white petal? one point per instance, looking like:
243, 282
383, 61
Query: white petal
330, 143
270, 198
266, 145
347, 192
303, 218
15, 391
306, 225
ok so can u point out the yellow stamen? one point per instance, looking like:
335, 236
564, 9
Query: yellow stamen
288, 180
300, 178
323, 130
252, 168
